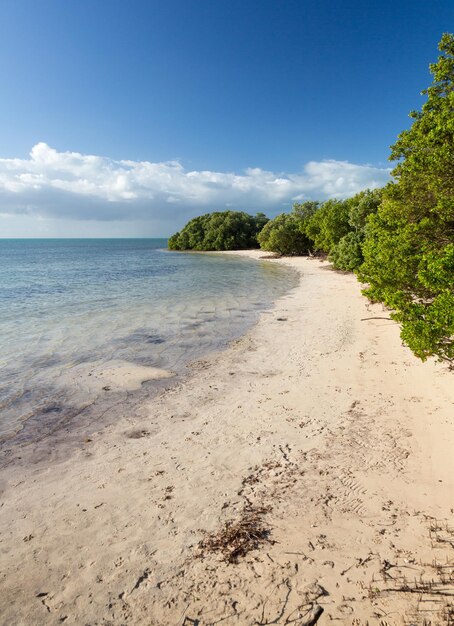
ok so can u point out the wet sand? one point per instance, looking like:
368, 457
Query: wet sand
317, 428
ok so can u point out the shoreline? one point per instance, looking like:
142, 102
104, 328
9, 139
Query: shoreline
315, 414
95, 392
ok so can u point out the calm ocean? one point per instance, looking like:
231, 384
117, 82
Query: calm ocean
70, 304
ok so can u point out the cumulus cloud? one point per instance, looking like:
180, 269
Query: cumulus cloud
70, 185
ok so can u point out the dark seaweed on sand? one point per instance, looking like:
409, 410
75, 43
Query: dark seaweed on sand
239, 537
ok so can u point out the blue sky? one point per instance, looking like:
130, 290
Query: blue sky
126, 118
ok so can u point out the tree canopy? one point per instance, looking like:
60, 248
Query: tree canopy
335, 227
328, 225
284, 236
409, 245
347, 252
227, 230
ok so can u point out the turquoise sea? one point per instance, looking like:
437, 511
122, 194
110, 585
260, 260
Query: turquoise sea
67, 304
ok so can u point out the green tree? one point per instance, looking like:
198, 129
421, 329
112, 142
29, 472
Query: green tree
283, 235
227, 230
347, 254
328, 225
304, 211
362, 205
409, 245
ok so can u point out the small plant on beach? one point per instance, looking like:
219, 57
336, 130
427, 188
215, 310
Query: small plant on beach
409, 245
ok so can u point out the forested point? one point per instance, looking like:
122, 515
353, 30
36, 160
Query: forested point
223, 230
399, 240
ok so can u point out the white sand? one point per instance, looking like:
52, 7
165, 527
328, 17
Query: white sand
322, 418
115, 375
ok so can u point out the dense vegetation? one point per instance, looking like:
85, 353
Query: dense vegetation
335, 227
284, 236
409, 245
227, 230
399, 240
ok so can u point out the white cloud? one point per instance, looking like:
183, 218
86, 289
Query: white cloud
74, 186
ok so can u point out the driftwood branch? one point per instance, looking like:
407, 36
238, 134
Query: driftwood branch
364, 319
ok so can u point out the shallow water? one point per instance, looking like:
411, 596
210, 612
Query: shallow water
68, 306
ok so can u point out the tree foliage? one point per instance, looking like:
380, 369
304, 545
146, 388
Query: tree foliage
227, 230
347, 253
335, 227
303, 212
409, 245
328, 225
284, 236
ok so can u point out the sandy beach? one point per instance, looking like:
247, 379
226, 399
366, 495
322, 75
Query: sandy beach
317, 435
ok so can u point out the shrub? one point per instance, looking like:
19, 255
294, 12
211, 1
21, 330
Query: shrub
228, 230
283, 235
328, 225
348, 254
